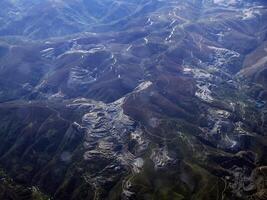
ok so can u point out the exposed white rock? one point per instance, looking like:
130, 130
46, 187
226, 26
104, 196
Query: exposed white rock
226, 2
80, 76
78, 49
129, 47
48, 53
171, 34
160, 157
146, 40
149, 22
138, 164
250, 13
142, 86
58, 95
47, 50
204, 93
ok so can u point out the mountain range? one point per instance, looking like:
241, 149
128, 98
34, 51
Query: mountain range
140, 99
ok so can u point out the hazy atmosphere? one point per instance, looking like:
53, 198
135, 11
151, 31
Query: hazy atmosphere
133, 100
